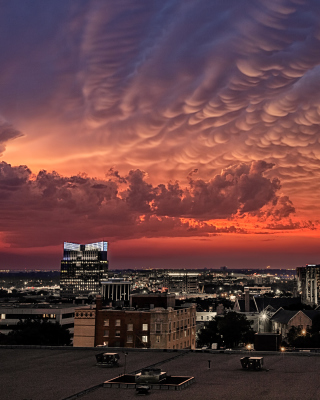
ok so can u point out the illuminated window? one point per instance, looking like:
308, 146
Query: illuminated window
106, 322
144, 339
3, 316
118, 322
130, 327
144, 327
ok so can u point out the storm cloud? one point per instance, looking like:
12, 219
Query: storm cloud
129, 206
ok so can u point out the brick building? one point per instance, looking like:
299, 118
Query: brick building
153, 327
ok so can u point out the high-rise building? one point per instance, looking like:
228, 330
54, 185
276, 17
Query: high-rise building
82, 269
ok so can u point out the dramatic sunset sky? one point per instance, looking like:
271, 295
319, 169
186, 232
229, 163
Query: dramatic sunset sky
186, 133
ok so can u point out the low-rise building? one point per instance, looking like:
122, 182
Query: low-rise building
11, 314
153, 327
283, 320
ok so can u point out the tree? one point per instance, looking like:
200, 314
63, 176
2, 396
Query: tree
231, 329
235, 328
209, 334
38, 332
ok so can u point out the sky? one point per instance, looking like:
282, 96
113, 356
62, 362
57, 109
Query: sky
186, 133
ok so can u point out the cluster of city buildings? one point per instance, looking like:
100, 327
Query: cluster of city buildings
139, 310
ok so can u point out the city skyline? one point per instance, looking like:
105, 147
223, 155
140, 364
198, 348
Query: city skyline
185, 134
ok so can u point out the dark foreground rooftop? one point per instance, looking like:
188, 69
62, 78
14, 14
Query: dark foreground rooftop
58, 374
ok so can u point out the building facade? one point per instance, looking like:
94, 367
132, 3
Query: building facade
308, 283
182, 282
83, 267
156, 328
116, 290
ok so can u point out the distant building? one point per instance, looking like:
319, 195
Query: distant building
11, 314
82, 269
182, 282
153, 327
205, 316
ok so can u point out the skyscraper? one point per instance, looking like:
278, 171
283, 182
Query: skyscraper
82, 268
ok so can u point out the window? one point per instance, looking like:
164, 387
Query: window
130, 339
158, 339
144, 339
185, 333
201, 317
106, 332
158, 327
3, 316
144, 327
129, 327
106, 322
173, 336
117, 333
118, 322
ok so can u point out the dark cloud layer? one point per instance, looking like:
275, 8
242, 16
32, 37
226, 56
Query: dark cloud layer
49, 206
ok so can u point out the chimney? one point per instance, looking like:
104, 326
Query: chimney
246, 300
98, 302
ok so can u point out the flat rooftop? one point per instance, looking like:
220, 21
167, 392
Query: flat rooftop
61, 373
37, 306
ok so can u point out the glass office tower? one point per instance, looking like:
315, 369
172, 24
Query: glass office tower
82, 269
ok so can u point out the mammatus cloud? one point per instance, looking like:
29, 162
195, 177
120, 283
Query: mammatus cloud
7, 132
183, 85
49, 207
